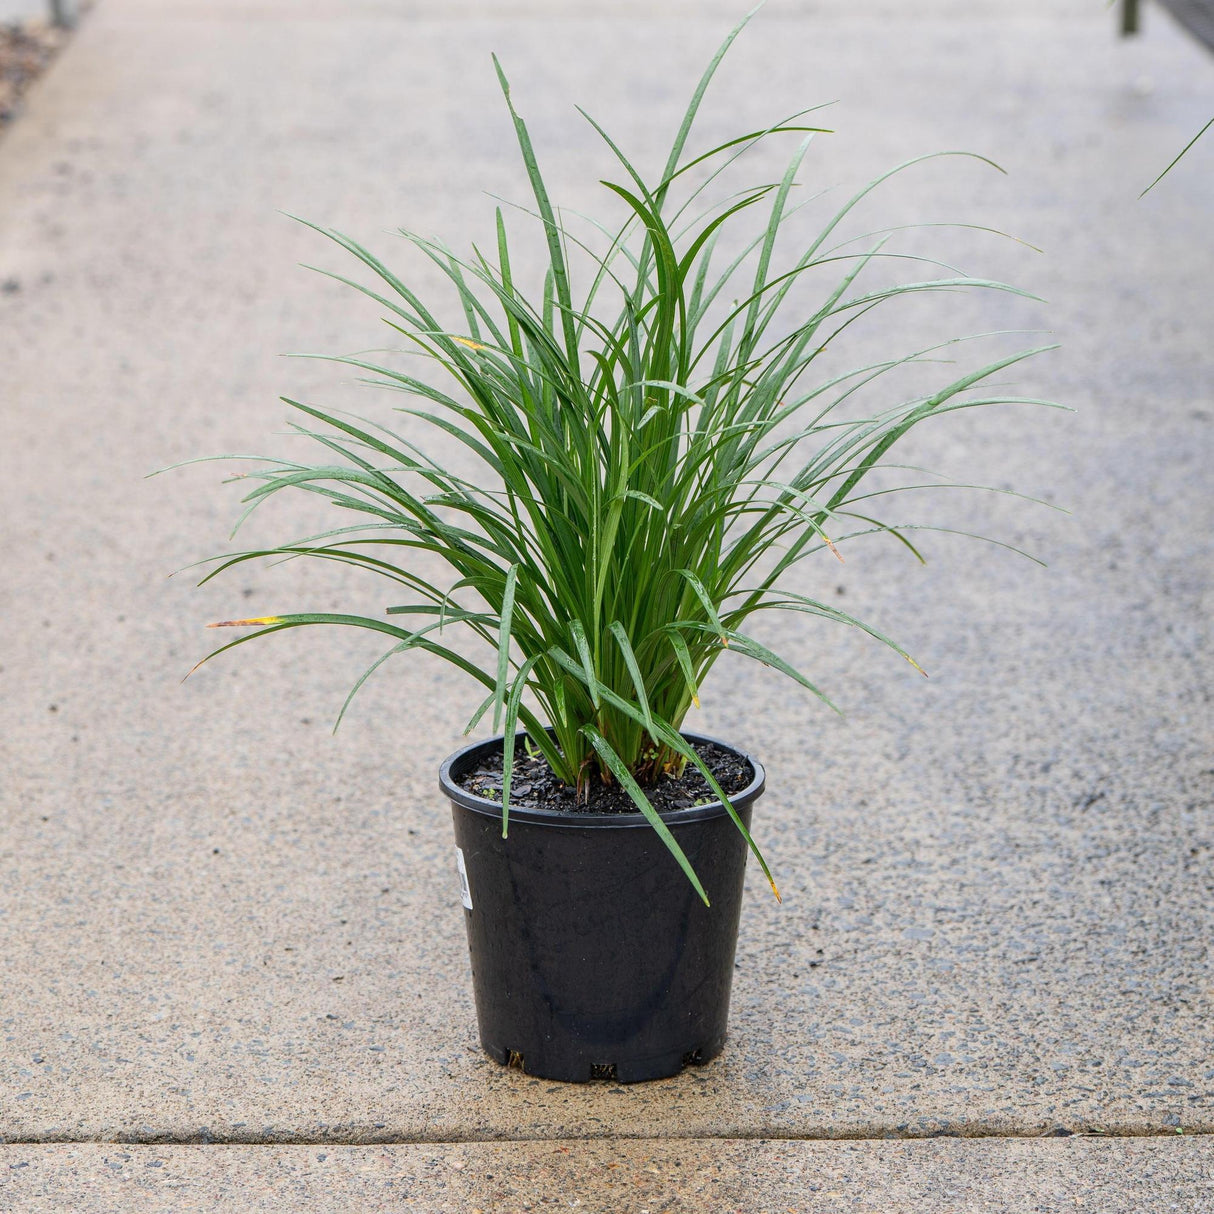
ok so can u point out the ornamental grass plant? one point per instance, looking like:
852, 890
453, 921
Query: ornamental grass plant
657, 450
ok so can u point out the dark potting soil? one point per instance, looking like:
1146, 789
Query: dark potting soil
534, 786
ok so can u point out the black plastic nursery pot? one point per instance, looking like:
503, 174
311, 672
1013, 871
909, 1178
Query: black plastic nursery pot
592, 955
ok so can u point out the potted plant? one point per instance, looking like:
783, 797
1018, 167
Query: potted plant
655, 455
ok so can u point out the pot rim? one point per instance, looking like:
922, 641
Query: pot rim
551, 817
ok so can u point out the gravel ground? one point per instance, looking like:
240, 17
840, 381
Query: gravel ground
26, 50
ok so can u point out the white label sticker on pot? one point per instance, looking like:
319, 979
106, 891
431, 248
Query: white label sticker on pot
465, 893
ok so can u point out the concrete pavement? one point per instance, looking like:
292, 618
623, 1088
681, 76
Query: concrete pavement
221, 925
638, 1176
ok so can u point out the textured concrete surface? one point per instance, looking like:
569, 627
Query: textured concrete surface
219, 923
643, 1177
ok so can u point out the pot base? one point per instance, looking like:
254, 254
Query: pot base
566, 1067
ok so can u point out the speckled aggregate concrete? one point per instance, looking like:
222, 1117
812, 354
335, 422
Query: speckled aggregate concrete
943, 1176
220, 923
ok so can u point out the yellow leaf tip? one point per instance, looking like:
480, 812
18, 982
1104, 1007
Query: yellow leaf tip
261, 619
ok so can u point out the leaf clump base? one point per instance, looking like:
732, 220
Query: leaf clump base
536, 786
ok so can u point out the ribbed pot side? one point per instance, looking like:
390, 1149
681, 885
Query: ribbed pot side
592, 955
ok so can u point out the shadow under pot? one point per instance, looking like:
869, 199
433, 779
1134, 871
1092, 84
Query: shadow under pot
592, 955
